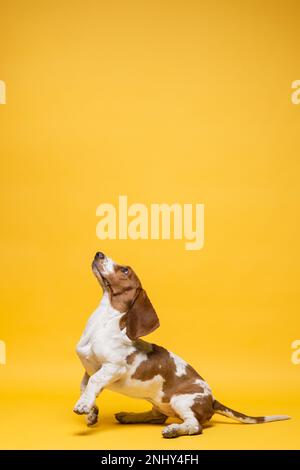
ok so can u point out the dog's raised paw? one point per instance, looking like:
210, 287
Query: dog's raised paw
81, 410
82, 407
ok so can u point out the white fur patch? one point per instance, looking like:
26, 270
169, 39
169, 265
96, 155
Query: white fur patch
180, 364
205, 386
183, 403
101, 340
268, 419
108, 266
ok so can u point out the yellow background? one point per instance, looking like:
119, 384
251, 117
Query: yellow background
178, 101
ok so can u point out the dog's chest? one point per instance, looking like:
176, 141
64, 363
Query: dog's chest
102, 340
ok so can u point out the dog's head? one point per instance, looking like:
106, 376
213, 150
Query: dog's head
126, 295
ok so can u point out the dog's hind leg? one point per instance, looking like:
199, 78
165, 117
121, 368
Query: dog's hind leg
182, 406
153, 417
92, 417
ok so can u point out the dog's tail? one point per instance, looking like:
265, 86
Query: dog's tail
225, 411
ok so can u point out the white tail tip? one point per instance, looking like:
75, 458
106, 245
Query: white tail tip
268, 419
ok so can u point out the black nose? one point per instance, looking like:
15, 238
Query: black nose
100, 255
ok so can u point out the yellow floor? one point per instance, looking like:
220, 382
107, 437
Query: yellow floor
37, 414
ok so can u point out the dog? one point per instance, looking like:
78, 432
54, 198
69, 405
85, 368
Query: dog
115, 357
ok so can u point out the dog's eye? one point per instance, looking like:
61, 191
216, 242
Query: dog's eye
125, 270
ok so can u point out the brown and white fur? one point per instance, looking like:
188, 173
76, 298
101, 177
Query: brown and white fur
114, 357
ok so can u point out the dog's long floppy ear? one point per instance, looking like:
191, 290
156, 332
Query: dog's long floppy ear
141, 317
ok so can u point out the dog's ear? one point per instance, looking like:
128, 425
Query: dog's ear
141, 318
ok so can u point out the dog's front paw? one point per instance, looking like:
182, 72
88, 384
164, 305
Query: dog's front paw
92, 417
83, 406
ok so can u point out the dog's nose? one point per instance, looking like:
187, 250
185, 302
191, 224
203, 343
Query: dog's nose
100, 255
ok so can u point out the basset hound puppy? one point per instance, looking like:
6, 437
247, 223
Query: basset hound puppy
115, 357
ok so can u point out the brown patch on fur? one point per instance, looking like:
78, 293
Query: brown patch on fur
203, 408
159, 362
131, 357
121, 300
141, 318
141, 347
123, 320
